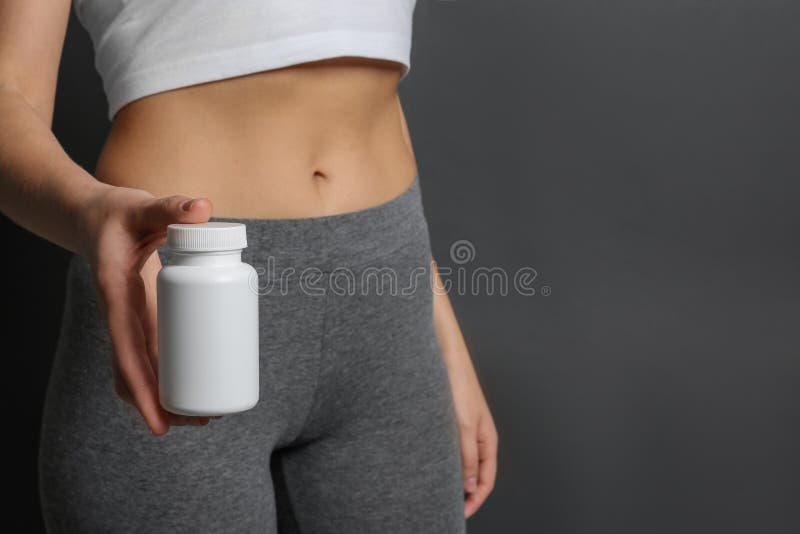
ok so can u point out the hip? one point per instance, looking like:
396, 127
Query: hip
352, 385
342, 297
376, 262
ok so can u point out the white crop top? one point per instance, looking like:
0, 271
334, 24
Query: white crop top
144, 47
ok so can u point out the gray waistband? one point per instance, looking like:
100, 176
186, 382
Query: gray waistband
334, 241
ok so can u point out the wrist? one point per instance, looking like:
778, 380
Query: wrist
91, 209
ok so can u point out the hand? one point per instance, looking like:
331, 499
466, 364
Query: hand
477, 432
125, 227
475, 425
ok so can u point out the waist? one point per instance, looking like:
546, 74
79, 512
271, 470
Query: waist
311, 140
387, 232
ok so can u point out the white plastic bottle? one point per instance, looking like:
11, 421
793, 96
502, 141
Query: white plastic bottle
207, 322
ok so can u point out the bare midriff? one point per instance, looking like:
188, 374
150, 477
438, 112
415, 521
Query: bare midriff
310, 140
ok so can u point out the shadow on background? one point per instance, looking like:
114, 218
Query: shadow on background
643, 158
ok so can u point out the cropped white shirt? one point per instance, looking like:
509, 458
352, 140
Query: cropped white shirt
144, 47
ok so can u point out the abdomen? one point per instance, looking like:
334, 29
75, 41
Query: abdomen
315, 139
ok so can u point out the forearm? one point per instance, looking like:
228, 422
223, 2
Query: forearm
477, 433
448, 333
41, 188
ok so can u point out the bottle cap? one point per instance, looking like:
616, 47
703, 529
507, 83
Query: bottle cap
206, 237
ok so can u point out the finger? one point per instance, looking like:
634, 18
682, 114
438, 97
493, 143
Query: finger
149, 311
187, 420
120, 388
157, 213
469, 458
487, 457
119, 385
127, 337
149, 318
473, 502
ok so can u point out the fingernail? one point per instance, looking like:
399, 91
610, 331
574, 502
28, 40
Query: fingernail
187, 205
471, 484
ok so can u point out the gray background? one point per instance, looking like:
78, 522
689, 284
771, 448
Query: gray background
642, 156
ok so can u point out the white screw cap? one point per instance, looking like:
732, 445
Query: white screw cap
206, 237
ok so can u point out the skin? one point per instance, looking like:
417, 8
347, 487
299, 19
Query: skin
315, 139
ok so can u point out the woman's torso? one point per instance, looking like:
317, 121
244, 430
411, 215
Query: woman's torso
308, 140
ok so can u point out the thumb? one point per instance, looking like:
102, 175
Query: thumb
157, 213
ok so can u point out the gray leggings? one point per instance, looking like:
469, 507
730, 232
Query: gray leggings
354, 431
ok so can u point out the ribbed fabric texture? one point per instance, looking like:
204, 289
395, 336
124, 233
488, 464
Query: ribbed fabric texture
143, 47
206, 237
